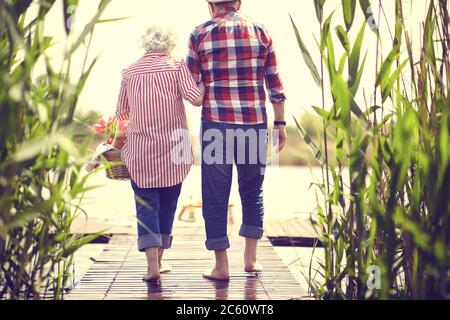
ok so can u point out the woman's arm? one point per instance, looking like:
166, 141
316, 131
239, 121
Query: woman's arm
122, 114
189, 89
199, 101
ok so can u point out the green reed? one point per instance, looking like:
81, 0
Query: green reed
42, 151
385, 219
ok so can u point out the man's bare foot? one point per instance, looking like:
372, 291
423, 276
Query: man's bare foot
164, 268
216, 274
250, 256
254, 267
151, 276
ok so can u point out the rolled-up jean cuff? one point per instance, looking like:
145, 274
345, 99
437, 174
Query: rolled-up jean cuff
166, 241
149, 241
217, 244
253, 232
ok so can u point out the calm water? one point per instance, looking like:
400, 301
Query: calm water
288, 193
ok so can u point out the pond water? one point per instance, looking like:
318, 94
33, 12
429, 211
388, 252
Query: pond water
288, 193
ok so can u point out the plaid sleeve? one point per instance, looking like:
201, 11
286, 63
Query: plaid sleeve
123, 107
193, 61
188, 87
273, 80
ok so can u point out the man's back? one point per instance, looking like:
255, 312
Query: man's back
233, 57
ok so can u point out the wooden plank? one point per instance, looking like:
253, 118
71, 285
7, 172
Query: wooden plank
117, 273
299, 231
294, 227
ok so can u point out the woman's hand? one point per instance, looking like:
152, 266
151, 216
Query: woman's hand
119, 140
199, 101
201, 87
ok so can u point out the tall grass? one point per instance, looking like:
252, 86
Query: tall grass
385, 219
41, 178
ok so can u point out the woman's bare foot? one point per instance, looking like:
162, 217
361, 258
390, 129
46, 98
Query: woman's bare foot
254, 267
152, 265
215, 274
164, 268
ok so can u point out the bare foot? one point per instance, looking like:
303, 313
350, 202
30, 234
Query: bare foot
164, 268
151, 276
254, 267
216, 274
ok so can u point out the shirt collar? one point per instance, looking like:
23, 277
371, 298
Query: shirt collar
154, 54
223, 12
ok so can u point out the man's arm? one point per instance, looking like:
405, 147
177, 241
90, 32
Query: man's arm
280, 135
276, 93
192, 60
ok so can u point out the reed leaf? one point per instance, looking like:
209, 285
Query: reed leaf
368, 14
315, 150
349, 8
306, 55
385, 69
353, 65
343, 37
318, 5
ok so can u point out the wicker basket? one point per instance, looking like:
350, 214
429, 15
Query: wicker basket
115, 167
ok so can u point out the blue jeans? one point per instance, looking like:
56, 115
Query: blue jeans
155, 208
223, 145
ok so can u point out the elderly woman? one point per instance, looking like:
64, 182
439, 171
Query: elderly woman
151, 98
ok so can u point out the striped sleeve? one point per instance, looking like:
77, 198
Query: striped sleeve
123, 106
188, 87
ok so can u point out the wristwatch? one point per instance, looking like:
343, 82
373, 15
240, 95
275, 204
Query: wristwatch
279, 123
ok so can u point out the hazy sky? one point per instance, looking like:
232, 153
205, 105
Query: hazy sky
117, 43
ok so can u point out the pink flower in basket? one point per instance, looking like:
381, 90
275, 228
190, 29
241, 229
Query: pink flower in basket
99, 127
110, 128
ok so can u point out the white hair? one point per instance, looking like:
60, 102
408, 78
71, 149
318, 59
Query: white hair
159, 39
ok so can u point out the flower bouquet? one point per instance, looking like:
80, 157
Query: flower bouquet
111, 129
114, 131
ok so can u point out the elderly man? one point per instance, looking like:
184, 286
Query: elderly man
234, 56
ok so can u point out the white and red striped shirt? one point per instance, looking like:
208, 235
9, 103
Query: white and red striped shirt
151, 98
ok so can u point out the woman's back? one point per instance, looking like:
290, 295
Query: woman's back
157, 151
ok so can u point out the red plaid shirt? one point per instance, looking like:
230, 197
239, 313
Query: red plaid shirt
234, 57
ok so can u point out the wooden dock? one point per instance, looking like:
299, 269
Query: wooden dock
298, 231
117, 272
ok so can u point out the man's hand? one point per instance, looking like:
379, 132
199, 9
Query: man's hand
279, 137
279, 131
